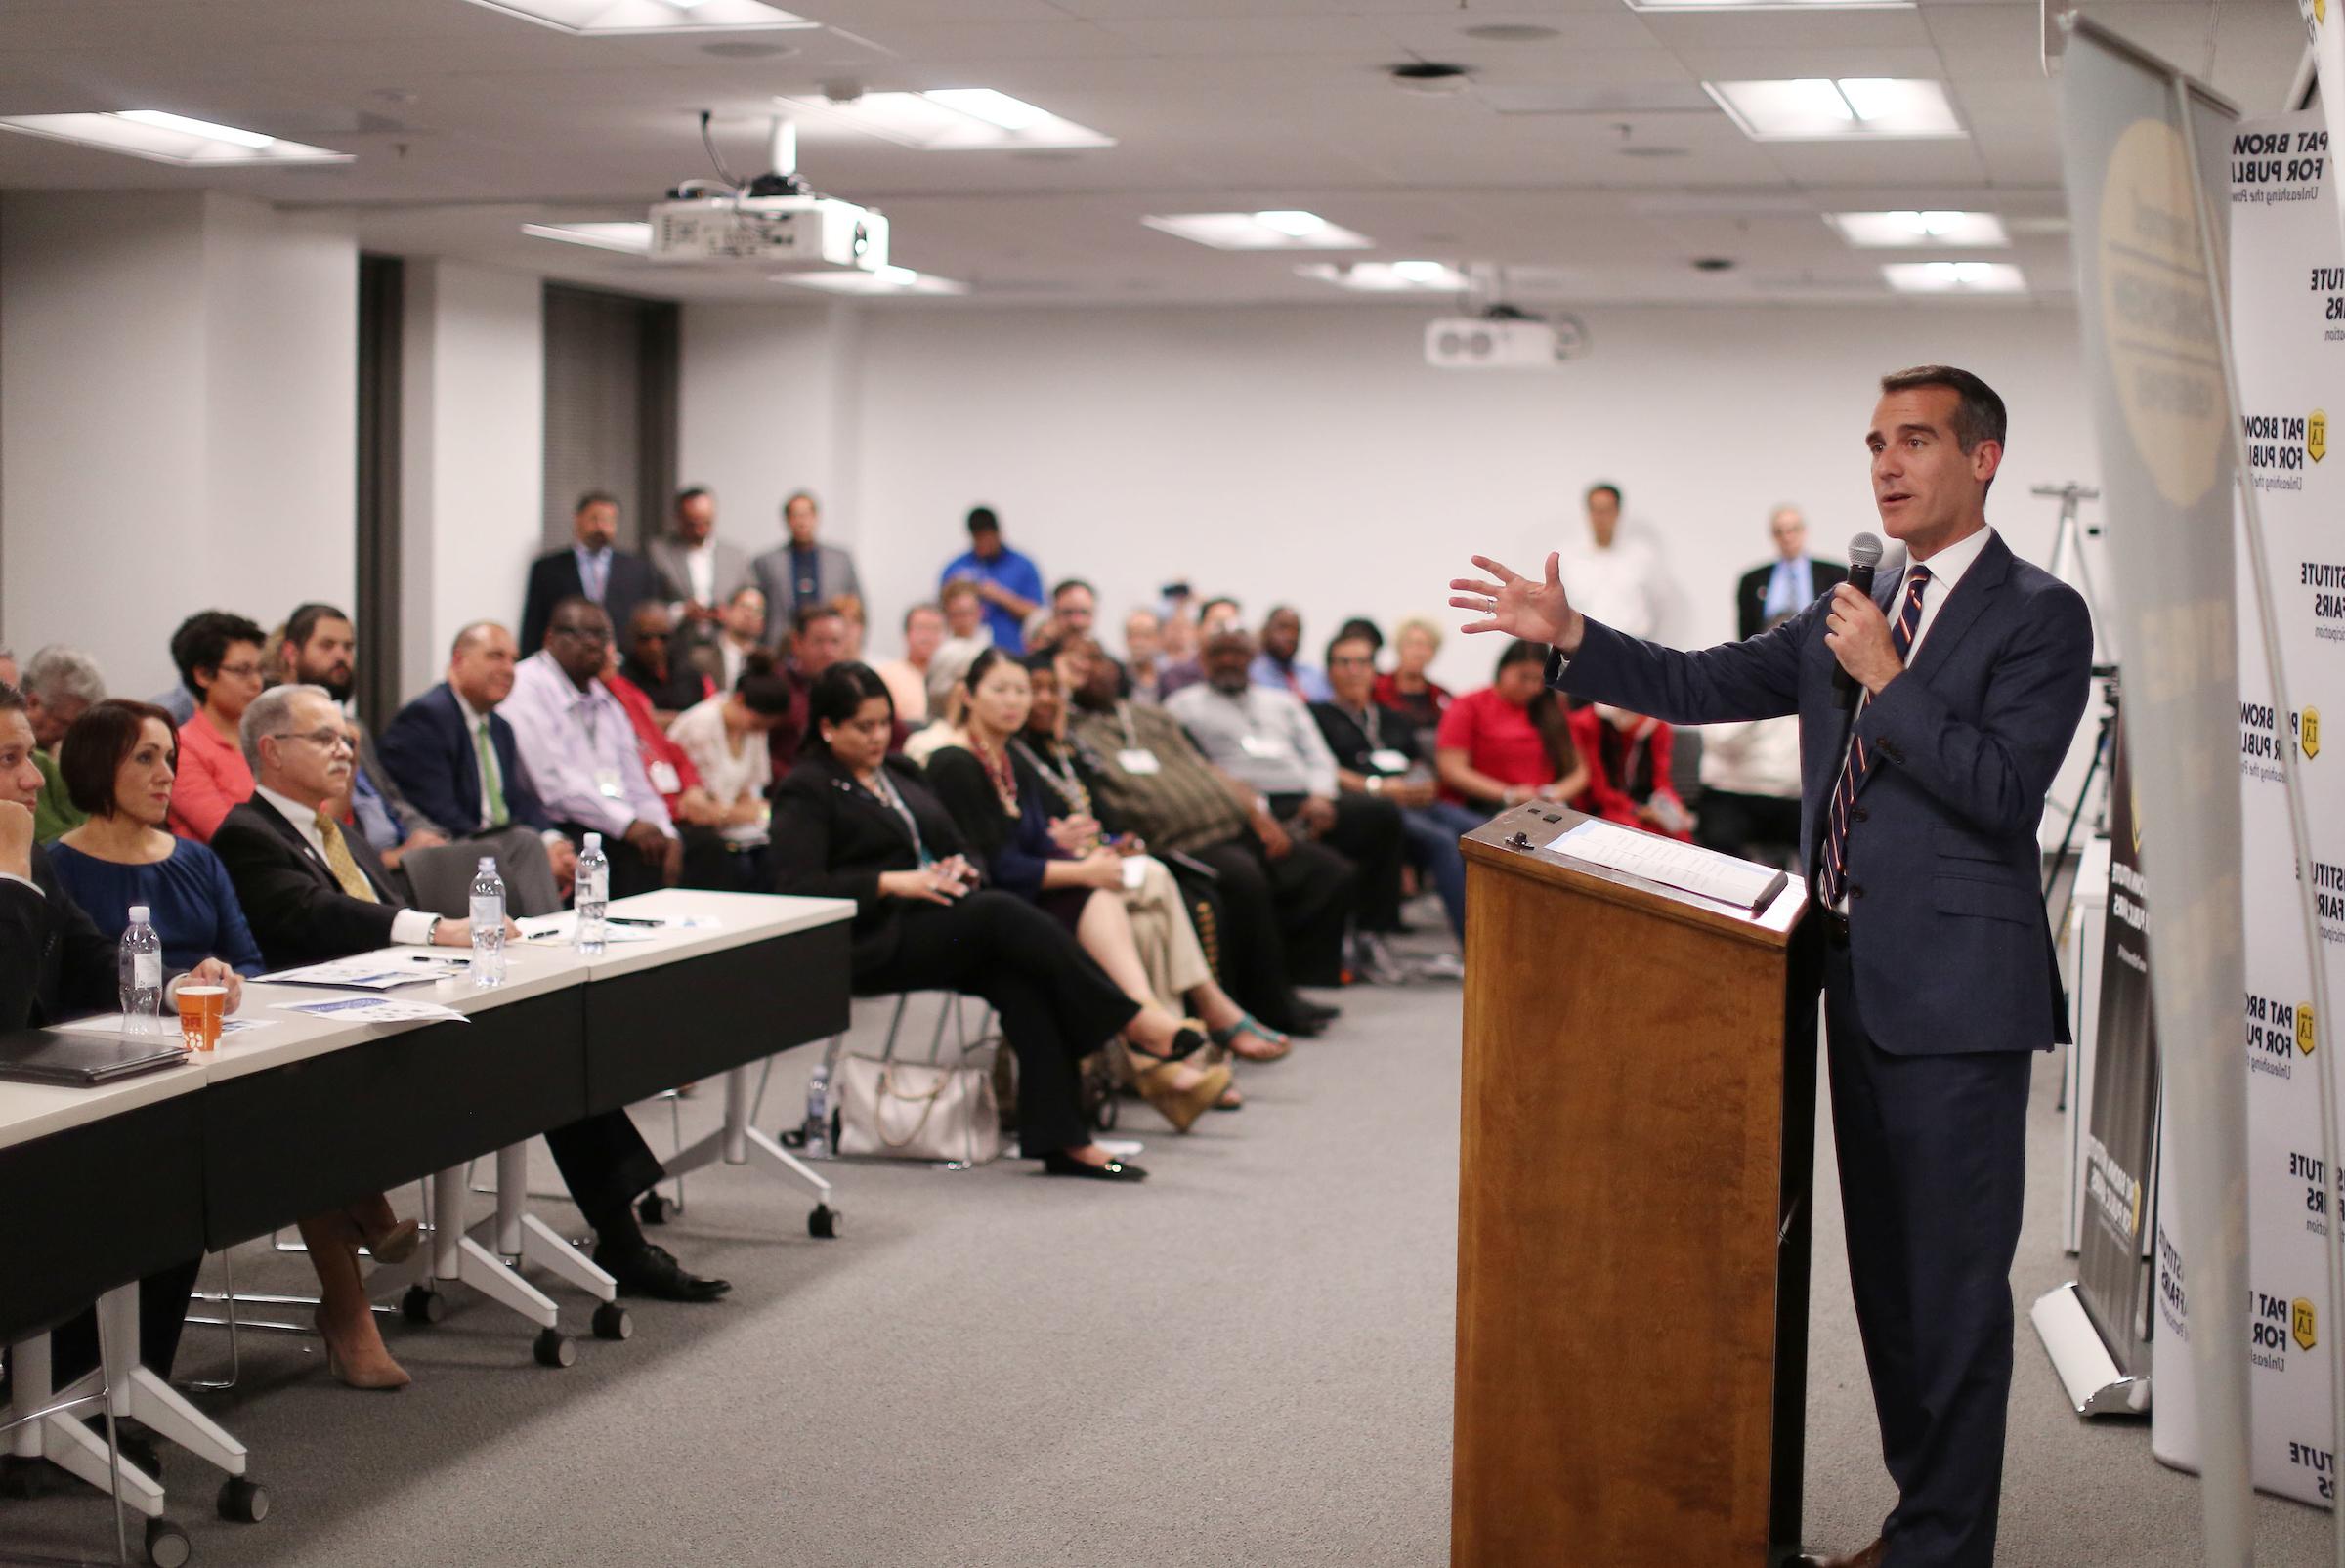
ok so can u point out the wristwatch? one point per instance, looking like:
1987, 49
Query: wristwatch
430, 933
1376, 783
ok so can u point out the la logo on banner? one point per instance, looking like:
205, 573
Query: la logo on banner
2308, 733
2305, 1038
2303, 1324
2315, 435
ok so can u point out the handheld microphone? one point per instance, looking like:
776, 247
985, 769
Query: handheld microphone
1864, 556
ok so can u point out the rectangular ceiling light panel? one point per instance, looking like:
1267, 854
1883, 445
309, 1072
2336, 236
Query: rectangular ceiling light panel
951, 119
1917, 231
634, 239
1259, 231
888, 280
1387, 277
1955, 278
636, 18
164, 138
1772, 5
1823, 109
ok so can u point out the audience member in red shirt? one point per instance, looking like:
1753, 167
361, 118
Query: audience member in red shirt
697, 815
1509, 741
1628, 771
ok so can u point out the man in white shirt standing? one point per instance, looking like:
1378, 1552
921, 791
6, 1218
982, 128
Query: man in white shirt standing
699, 572
1618, 579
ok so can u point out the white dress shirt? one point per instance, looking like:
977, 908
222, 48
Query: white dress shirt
1620, 586
1264, 737
411, 926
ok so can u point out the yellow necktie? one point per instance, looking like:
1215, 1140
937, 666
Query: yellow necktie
338, 861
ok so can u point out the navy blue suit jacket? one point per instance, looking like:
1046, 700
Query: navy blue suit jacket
1946, 931
554, 577
430, 752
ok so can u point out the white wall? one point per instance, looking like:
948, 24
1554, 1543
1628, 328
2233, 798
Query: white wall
768, 405
178, 418
472, 455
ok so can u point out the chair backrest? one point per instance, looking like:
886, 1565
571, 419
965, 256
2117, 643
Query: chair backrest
1686, 762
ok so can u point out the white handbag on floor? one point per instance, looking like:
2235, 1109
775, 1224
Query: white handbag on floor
917, 1110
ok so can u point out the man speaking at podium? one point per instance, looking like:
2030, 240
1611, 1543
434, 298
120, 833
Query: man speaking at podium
1968, 671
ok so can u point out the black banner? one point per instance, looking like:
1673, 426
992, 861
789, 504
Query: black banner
2113, 1276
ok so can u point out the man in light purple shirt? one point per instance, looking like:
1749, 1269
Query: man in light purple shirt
578, 748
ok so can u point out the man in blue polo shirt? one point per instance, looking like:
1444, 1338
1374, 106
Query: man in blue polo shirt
1010, 584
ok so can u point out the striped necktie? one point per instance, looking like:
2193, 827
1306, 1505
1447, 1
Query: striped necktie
1834, 869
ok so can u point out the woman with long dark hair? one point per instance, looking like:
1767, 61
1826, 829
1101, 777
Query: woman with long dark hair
852, 822
1508, 743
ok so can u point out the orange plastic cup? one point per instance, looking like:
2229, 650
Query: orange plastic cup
201, 1009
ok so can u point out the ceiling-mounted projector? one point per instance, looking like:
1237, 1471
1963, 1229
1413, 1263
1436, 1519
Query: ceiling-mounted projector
775, 221
1503, 338
806, 233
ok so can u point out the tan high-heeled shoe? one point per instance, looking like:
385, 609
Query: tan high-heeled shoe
1180, 1106
374, 1372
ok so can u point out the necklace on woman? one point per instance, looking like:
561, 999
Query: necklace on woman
997, 769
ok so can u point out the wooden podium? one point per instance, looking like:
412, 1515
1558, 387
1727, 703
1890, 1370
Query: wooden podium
1632, 1218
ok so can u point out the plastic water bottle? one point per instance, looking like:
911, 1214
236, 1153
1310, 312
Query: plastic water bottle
487, 925
142, 975
593, 895
818, 1111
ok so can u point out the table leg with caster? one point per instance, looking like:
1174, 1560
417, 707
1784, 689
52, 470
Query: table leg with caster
738, 1143
61, 1439
457, 1256
522, 1235
140, 1395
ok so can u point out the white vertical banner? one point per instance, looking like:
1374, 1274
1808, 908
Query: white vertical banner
2288, 313
2143, 152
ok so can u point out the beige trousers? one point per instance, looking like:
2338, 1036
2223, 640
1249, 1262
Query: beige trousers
1166, 938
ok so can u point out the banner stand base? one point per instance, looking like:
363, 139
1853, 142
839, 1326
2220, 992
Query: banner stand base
2095, 1386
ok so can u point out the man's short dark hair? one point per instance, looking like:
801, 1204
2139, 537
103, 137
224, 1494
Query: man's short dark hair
1352, 632
202, 641
1207, 609
571, 604
594, 499
12, 701
1068, 584
95, 748
1603, 487
1979, 413
302, 624
982, 521
692, 492
795, 497
809, 615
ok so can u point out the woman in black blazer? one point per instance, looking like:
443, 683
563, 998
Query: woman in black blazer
852, 822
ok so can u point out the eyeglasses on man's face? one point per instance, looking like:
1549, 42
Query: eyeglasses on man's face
329, 740
584, 634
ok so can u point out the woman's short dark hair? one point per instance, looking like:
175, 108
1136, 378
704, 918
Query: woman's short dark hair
202, 641
96, 745
1546, 710
838, 695
1362, 627
762, 687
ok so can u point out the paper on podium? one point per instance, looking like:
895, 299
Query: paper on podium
1740, 884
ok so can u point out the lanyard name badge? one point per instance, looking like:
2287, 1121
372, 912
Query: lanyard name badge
895, 803
1134, 758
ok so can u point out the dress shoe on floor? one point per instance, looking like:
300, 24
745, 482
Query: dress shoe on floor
653, 1271
1059, 1163
395, 1244
1872, 1556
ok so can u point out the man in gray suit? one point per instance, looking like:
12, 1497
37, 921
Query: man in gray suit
803, 572
699, 572
1964, 674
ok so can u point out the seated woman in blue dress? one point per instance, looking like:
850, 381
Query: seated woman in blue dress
119, 761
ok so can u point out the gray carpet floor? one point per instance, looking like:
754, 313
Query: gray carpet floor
1246, 1361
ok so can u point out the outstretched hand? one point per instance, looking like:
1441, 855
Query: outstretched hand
1520, 606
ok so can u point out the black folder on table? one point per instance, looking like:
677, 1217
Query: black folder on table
83, 1061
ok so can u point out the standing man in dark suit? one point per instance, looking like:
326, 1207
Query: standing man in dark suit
1918, 824
1789, 583
800, 575
699, 574
452, 754
313, 893
615, 579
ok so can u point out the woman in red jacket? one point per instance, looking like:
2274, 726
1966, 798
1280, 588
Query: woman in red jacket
1628, 771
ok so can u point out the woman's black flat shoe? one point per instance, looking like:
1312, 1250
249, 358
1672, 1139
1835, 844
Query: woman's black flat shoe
1059, 1163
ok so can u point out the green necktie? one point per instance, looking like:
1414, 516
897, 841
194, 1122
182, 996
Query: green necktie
497, 815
